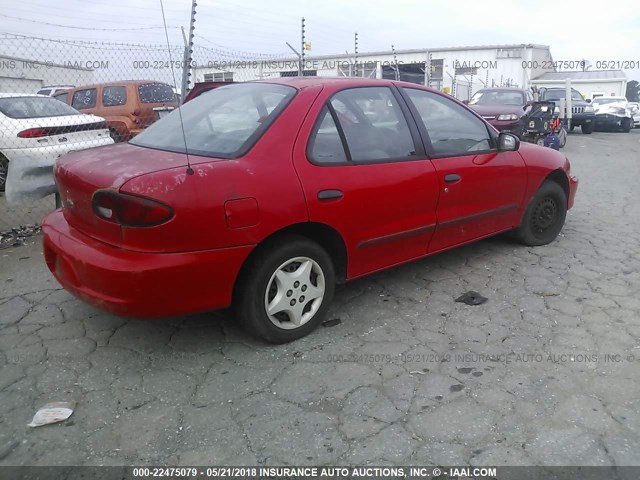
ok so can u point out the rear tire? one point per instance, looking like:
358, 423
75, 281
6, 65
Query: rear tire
544, 217
4, 171
284, 291
115, 135
587, 128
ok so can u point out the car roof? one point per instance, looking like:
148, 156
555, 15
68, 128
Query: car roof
502, 89
118, 83
338, 82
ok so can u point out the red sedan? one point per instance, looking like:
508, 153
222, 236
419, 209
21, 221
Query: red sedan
264, 195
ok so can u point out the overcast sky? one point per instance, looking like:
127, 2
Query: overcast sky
573, 29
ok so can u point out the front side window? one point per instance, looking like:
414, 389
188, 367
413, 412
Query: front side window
452, 129
114, 96
373, 124
224, 123
84, 99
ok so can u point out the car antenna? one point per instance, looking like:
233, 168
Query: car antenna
175, 86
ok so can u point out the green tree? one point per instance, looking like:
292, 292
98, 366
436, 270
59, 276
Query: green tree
633, 91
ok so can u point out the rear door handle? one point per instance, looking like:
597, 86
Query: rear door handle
330, 194
452, 178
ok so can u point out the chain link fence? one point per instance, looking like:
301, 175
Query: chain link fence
100, 93
92, 94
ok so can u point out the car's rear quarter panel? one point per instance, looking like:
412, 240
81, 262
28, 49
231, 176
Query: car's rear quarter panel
213, 206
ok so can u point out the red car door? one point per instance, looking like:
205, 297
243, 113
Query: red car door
481, 189
365, 174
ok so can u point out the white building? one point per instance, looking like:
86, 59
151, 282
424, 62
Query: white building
457, 70
591, 84
23, 75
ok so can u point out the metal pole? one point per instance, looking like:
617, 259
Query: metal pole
188, 51
395, 61
297, 54
302, 43
355, 55
568, 102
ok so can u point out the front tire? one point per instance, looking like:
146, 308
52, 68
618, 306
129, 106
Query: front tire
4, 171
285, 290
587, 128
544, 217
563, 137
626, 125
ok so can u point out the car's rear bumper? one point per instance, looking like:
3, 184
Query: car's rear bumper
136, 284
573, 188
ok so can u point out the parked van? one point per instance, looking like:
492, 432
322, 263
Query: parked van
128, 106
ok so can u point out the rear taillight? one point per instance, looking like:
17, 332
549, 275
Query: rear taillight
130, 210
32, 133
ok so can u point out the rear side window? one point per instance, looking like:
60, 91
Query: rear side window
156, 93
224, 123
326, 145
44, 92
63, 97
114, 96
84, 99
373, 124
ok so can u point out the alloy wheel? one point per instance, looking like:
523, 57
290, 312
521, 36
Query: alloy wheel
294, 293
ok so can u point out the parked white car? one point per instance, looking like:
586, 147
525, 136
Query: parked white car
613, 112
36, 129
635, 111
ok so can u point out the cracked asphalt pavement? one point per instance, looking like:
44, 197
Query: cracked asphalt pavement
546, 372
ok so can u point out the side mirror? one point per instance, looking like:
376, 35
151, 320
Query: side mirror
466, 102
508, 142
588, 100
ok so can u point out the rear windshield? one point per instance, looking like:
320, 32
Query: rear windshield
156, 93
224, 123
35, 107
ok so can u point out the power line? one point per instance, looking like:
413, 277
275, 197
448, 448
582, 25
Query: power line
93, 18
83, 28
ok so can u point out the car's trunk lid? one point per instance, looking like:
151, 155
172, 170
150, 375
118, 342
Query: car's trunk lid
79, 175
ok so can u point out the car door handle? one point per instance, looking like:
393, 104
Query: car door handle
330, 194
452, 178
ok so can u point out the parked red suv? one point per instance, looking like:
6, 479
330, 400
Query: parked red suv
272, 192
501, 107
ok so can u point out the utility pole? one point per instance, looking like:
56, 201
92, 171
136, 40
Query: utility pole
302, 48
395, 61
355, 55
188, 52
